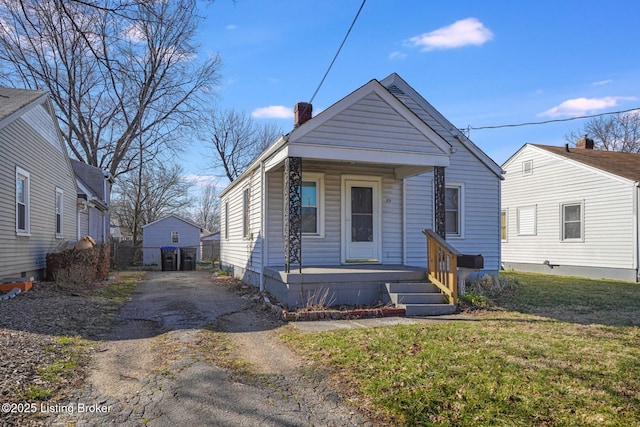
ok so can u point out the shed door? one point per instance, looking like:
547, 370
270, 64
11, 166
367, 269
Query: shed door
362, 235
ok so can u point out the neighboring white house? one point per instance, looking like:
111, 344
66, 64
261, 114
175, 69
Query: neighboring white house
361, 173
571, 211
170, 230
94, 185
37, 185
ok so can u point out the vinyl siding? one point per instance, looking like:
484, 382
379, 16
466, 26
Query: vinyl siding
480, 210
24, 144
326, 251
608, 213
419, 214
371, 123
237, 250
481, 194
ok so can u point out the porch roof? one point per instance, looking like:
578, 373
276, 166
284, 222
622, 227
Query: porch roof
405, 163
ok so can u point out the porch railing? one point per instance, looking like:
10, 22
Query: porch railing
442, 265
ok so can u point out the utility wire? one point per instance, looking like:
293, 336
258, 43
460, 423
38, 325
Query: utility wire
338, 52
470, 128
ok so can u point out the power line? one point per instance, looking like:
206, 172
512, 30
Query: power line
470, 128
338, 52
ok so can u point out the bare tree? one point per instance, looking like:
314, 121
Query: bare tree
619, 132
207, 211
237, 140
146, 194
117, 70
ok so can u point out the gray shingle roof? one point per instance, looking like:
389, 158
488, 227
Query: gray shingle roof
12, 99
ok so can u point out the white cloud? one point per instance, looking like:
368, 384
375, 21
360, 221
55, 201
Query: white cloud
273, 112
397, 55
134, 33
461, 33
581, 106
231, 27
602, 82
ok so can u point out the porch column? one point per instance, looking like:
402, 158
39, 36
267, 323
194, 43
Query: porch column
292, 212
439, 201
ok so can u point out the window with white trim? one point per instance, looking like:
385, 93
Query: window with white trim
313, 204
175, 237
504, 217
59, 213
23, 196
226, 220
527, 220
527, 168
245, 213
572, 222
453, 210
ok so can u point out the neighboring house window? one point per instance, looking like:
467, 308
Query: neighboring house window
453, 210
572, 221
226, 220
527, 168
313, 204
23, 195
245, 213
175, 237
503, 225
59, 212
527, 221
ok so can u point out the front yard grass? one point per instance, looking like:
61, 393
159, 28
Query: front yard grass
560, 351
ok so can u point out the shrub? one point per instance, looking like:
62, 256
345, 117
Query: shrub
492, 286
79, 266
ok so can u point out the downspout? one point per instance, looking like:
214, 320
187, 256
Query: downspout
263, 222
404, 221
79, 212
636, 230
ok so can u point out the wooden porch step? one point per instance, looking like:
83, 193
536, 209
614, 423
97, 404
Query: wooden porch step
419, 298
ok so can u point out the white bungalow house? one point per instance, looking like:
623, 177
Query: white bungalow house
337, 206
37, 185
571, 211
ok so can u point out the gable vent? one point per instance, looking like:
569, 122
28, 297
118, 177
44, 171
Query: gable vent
395, 90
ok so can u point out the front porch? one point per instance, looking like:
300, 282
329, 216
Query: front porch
337, 284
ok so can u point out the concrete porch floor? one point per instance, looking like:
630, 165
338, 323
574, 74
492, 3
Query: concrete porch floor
347, 273
361, 284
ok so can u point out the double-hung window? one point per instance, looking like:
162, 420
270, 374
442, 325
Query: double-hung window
504, 219
226, 220
246, 214
453, 210
313, 204
175, 237
572, 222
23, 195
59, 213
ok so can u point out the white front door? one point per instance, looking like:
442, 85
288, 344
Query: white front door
362, 236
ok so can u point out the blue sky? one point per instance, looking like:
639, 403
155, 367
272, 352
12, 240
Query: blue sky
480, 63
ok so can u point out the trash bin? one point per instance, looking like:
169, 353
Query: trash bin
187, 259
169, 258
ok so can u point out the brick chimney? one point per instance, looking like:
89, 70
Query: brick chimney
301, 113
585, 143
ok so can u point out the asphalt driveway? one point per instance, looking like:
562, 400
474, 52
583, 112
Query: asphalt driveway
150, 370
